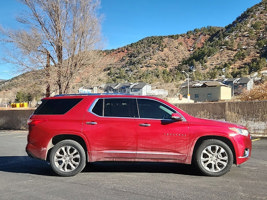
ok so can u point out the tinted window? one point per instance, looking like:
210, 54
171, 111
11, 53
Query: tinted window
56, 106
120, 108
153, 109
98, 108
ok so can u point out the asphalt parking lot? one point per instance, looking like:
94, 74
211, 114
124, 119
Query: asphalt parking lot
22, 178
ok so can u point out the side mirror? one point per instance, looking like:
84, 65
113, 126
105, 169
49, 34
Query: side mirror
176, 117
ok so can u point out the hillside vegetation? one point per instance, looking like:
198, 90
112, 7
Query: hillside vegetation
236, 50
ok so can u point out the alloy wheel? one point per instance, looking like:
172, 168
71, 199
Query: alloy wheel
214, 158
67, 158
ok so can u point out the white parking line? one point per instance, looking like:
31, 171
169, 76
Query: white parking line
257, 139
4, 134
13, 133
21, 136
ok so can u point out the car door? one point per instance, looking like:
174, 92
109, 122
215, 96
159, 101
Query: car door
110, 129
158, 136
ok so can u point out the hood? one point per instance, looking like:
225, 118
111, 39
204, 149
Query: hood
210, 122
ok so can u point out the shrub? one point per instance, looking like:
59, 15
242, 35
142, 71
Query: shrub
257, 93
23, 97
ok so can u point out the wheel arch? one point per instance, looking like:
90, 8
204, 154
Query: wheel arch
223, 139
58, 138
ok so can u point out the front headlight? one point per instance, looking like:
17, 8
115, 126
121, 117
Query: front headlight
239, 131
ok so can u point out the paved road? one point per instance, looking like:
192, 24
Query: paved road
22, 178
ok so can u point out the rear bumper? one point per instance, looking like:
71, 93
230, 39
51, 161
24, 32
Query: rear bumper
36, 152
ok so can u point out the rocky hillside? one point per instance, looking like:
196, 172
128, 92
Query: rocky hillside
158, 58
238, 49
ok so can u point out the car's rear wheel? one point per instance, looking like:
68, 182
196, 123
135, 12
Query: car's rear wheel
214, 157
67, 158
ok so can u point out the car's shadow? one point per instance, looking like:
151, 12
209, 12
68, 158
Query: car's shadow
27, 165
142, 167
24, 165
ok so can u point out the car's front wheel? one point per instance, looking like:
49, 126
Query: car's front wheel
214, 157
67, 158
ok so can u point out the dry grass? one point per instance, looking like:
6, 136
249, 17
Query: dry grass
257, 93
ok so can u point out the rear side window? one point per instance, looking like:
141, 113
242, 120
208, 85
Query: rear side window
120, 108
116, 107
56, 106
98, 108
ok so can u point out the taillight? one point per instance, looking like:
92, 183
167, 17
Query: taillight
29, 121
33, 122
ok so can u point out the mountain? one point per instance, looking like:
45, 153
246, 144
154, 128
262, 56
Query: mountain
157, 58
236, 50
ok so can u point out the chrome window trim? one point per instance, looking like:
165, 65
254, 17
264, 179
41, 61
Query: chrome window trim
95, 101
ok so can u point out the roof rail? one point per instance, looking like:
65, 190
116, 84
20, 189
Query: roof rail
90, 94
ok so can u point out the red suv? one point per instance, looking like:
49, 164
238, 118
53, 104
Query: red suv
70, 130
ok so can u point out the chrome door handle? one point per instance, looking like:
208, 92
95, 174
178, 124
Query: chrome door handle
145, 125
91, 123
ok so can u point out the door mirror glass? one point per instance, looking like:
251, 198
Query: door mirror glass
176, 117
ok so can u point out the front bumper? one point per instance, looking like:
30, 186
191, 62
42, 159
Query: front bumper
243, 148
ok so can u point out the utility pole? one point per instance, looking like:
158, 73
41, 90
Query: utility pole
188, 94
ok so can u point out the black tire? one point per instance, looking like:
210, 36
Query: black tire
213, 158
67, 158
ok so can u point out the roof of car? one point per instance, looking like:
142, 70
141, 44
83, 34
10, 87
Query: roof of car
109, 95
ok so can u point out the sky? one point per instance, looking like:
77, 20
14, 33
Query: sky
126, 21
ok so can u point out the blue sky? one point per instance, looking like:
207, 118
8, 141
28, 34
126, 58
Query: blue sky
127, 21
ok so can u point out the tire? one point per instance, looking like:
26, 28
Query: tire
67, 158
213, 158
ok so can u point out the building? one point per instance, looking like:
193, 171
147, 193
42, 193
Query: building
239, 84
84, 90
142, 89
208, 91
128, 88
179, 99
244, 83
117, 88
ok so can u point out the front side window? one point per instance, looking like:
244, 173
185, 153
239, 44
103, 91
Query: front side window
153, 109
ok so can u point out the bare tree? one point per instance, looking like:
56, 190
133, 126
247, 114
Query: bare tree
60, 36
